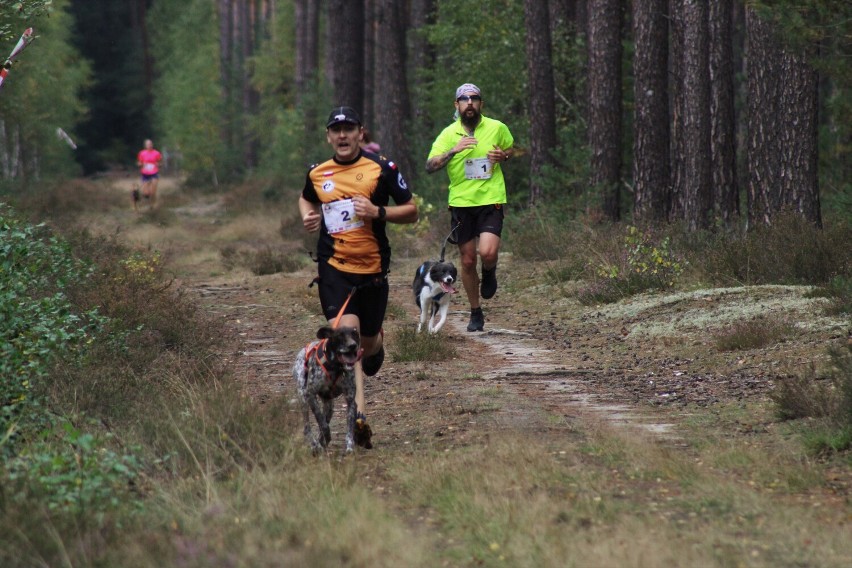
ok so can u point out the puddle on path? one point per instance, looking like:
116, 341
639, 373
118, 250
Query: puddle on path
522, 362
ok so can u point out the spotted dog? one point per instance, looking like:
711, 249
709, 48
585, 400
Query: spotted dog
432, 286
324, 370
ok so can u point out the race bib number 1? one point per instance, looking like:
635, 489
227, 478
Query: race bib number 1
148, 168
340, 216
477, 168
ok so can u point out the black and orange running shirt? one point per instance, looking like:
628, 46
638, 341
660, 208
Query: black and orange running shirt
347, 242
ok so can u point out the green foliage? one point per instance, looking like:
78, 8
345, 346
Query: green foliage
73, 473
826, 396
839, 293
38, 323
188, 94
286, 147
790, 251
291, 150
646, 263
41, 94
17, 15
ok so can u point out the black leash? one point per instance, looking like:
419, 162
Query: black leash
446, 240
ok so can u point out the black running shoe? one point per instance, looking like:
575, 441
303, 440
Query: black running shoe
371, 364
488, 285
363, 432
477, 320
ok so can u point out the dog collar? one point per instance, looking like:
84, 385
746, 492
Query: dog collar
437, 297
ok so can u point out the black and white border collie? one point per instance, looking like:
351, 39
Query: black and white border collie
433, 284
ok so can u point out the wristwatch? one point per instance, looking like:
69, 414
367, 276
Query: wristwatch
382, 213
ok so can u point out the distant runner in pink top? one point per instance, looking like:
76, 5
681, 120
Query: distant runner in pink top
148, 161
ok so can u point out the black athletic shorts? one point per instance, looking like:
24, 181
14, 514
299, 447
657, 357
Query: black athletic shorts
369, 301
472, 221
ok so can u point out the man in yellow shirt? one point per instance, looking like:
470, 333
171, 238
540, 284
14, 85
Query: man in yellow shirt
473, 149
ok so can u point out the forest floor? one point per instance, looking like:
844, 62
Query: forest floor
645, 371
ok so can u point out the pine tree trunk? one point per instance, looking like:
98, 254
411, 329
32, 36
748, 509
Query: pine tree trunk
697, 186
799, 137
763, 153
782, 124
140, 24
604, 46
392, 115
677, 164
226, 49
368, 113
542, 104
306, 16
723, 145
345, 53
651, 181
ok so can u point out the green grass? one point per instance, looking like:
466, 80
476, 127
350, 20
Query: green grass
412, 346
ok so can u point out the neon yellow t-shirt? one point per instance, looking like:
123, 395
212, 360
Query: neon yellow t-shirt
473, 181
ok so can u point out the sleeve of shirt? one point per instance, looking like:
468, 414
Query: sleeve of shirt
392, 184
309, 192
506, 139
441, 145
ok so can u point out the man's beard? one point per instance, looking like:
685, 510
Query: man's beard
470, 121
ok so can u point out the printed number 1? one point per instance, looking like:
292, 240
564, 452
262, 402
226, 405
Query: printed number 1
484, 168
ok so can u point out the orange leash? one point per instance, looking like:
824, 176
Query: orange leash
342, 309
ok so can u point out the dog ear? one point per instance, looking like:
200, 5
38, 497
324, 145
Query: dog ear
324, 332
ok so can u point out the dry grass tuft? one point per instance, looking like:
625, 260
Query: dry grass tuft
752, 334
408, 345
263, 261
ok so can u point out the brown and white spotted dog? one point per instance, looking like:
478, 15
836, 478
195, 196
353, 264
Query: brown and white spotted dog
324, 370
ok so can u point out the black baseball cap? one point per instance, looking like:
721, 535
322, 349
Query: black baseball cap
343, 114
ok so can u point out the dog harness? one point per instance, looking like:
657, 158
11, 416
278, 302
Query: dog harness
317, 350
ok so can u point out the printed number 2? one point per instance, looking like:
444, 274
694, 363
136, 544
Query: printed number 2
345, 215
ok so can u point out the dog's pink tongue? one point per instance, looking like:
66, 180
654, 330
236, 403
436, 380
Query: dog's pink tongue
448, 288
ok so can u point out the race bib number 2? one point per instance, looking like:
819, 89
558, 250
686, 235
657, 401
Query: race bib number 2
477, 168
340, 216
148, 168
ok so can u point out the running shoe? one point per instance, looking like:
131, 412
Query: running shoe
477, 320
488, 284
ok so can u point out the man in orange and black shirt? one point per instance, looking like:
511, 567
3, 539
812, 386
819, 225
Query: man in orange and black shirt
347, 199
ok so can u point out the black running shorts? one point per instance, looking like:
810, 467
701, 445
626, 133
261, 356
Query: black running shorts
475, 220
369, 301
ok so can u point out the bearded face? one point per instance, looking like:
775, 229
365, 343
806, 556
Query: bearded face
469, 107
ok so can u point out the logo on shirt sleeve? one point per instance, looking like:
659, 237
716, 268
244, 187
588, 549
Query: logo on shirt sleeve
401, 181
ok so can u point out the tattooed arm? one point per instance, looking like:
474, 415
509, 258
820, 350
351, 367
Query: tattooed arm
438, 162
